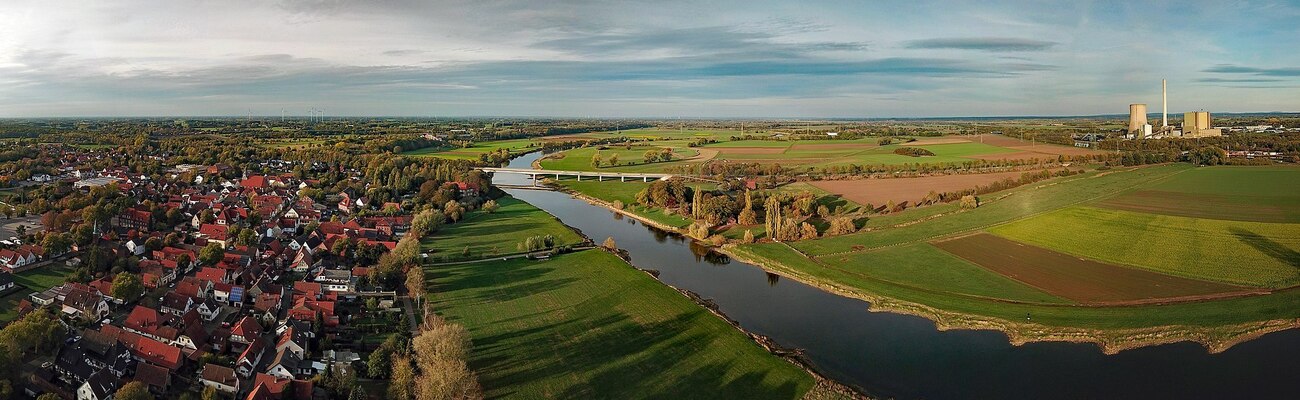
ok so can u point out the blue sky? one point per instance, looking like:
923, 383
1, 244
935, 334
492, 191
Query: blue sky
644, 59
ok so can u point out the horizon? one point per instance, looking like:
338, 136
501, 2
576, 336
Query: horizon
623, 60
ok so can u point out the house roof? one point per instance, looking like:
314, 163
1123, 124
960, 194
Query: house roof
266, 387
247, 327
152, 375
220, 374
158, 353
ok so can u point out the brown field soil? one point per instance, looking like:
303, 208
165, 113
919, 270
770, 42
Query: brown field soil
1020, 155
833, 146
1055, 149
1203, 205
750, 150
881, 191
926, 141
1000, 141
1082, 280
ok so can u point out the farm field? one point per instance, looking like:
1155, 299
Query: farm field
1246, 253
473, 152
626, 193
587, 325
499, 233
1082, 280
881, 191
924, 266
1064, 275
807, 153
1221, 192
630, 160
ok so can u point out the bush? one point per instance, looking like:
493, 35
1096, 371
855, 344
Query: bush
913, 152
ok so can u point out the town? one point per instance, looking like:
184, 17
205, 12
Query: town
242, 279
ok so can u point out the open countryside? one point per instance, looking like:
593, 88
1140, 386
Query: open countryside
727, 199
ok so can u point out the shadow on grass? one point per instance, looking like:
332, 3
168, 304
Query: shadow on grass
1268, 246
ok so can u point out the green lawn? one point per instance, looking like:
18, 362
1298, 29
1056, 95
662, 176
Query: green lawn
473, 152
498, 233
1240, 252
45, 277
924, 266
626, 192
586, 325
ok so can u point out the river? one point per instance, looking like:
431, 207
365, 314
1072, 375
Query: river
907, 357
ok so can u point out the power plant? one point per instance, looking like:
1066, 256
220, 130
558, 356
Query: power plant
1195, 124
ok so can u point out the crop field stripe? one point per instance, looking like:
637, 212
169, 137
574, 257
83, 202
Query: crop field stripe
1259, 254
1079, 279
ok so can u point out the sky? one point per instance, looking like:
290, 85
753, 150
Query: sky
663, 59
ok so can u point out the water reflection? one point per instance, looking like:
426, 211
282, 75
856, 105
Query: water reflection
773, 279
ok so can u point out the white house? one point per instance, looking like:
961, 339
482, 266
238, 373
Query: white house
218, 377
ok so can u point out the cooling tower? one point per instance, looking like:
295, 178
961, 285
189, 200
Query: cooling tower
1137, 116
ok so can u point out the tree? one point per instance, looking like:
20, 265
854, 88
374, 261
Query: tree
7, 210
595, 160
609, 243
211, 254
402, 379
841, 226
134, 390
807, 231
183, 261
49, 396
210, 393
415, 282
748, 216
453, 210
490, 206
650, 156
127, 286
749, 237
613, 159
969, 201
153, 243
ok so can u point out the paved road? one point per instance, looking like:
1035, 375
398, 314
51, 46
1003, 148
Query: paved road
9, 227
409, 308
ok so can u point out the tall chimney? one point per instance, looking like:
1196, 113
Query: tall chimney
1164, 105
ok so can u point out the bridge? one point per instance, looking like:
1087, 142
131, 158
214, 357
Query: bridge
599, 176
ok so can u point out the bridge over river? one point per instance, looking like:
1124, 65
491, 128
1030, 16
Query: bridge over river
599, 176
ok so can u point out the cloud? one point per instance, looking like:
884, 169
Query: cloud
994, 44
1235, 80
1238, 69
697, 41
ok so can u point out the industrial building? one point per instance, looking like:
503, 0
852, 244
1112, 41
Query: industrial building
1137, 120
1197, 124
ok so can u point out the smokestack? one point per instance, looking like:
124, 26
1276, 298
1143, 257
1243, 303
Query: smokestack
1164, 105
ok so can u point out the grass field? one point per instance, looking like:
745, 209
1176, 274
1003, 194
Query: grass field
31, 281
1149, 255
1262, 194
1078, 279
924, 266
586, 325
626, 192
473, 152
1240, 252
1018, 203
499, 233
632, 160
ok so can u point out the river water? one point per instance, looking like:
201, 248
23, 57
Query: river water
906, 357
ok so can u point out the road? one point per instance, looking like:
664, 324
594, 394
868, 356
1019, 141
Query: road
9, 227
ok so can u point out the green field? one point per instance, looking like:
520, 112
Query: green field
894, 264
632, 160
473, 152
1262, 194
499, 233
587, 325
924, 266
36, 280
626, 192
1248, 253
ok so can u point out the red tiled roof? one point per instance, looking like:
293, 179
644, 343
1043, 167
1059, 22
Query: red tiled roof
158, 353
